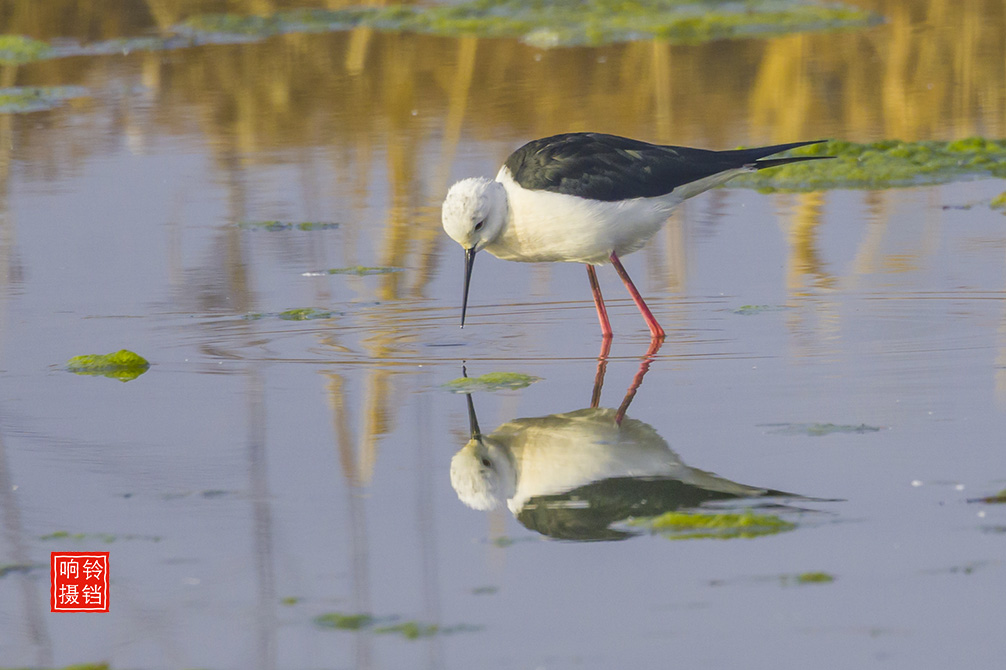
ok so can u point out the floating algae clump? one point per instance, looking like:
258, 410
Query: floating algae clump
19, 49
305, 314
748, 310
274, 226
993, 500
22, 99
344, 621
298, 314
814, 578
879, 165
493, 381
550, 23
410, 630
724, 525
123, 365
236, 24
361, 270
818, 429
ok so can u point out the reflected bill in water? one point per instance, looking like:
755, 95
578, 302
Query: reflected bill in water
576, 475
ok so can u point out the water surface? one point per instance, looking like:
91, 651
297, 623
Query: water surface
846, 347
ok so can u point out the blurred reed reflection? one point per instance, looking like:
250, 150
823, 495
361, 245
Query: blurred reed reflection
575, 475
935, 70
386, 114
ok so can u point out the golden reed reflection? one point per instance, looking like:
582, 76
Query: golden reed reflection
935, 70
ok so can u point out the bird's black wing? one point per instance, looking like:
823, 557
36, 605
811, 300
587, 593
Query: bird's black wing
608, 167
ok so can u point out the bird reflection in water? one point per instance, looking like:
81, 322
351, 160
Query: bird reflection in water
573, 476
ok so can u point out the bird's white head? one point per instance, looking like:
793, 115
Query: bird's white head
483, 475
474, 214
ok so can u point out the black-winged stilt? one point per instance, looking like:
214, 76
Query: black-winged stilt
588, 198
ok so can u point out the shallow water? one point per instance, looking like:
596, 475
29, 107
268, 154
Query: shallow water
847, 347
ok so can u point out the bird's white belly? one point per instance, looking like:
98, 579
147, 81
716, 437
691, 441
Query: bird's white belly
545, 226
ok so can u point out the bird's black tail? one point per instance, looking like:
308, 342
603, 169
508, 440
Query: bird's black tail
755, 158
775, 162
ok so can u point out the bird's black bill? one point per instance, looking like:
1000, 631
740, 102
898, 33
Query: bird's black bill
473, 422
469, 263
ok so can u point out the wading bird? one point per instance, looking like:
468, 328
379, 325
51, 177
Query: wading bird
588, 198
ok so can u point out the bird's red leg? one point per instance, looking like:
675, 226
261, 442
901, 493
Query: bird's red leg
602, 313
602, 365
656, 332
638, 379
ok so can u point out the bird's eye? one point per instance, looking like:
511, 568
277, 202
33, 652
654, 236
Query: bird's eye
478, 226
486, 462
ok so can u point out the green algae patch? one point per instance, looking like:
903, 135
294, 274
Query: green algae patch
123, 365
493, 381
555, 23
997, 499
723, 525
748, 310
255, 27
410, 630
818, 429
15, 568
358, 270
999, 202
15, 49
63, 535
305, 314
24, 99
275, 226
297, 314
106, 538
881, 165
813, 578
340, 621
413, 630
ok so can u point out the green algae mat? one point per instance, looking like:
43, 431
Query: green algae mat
16, 49
719, 526
23, 99
493, 381
123, 365
296, 314
881, 165
557, 23
410, 630
276, 226
542, 23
